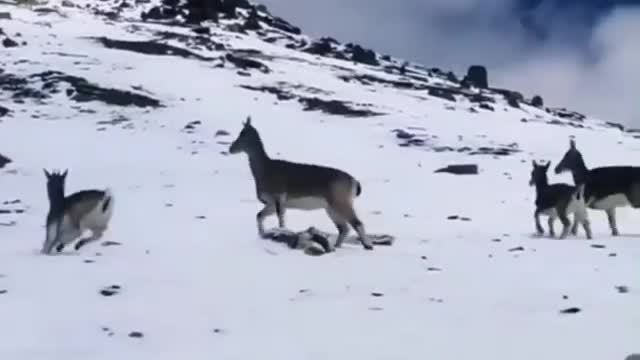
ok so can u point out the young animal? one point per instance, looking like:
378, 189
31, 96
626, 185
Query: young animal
606, 188
282, 185
72, 215
557, 201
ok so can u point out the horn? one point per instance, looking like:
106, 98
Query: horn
572, 143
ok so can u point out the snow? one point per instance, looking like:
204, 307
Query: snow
199, 284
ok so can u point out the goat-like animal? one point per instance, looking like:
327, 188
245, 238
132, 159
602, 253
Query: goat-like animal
557, 201
606, 188
69, 217
282, 185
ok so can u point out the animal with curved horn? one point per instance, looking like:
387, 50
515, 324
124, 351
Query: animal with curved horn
70, 216
282, 185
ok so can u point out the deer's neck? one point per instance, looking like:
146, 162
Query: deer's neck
580, 173
56, 198
258, 160
541, 185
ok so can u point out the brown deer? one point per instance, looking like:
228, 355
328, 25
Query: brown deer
282, 185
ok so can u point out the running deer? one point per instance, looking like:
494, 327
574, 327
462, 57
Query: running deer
282, 185
606, 188
69, 217
557, 201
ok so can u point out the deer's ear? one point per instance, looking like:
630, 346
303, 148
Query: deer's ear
248, 122
46, 173
533, 163
64, 174
572, 144
548, 164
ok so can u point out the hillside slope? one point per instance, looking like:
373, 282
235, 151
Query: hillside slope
149, 108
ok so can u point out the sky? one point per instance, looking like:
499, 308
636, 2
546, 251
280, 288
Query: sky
579, 54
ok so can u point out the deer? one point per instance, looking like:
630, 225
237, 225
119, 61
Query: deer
282, 185
606, 188
71, 216
557, 200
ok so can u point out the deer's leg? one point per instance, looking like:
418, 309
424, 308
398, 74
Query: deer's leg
574, 228
566, 224
611, 216
341, 224
539, 229
346, 211
550, 222
269, 209
280, 210
67, 235
96, 234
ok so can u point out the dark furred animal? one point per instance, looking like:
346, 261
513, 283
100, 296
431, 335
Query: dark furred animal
606, 188
282, 185
69, 216
557, 201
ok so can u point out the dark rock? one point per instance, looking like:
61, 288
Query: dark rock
322, 47
486, 107
453, 217
4, 111
518, 248
335, 107
537, 101
377, 294
3, 291
149, 48
571, 310
246, 63
364, 56
598, 246
622, 289
136, 334
402, 134
4, 161
221, 133
110, 290
615, 125
86, 91
202, 30
9, 43
442, 93
459, 169
111, 243
477, 76
252, 22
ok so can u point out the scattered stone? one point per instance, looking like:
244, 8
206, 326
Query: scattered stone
4, 111
622, 289
217, 331
496, 240
476, 76
598, 246
191, 126
9, 43
5, 15
375, 308
442, 94
111, 243
110, 290
149, 48
433, 269
518, 248
245, 63
613, 254
136, 334
201, 217
3, 291
377, 294
335, 107
459, 169
571, 310
565, 297
453, 217
537, 101
423, 257
4, 161
221, 133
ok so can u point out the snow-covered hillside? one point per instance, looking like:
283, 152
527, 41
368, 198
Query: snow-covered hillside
149, 108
